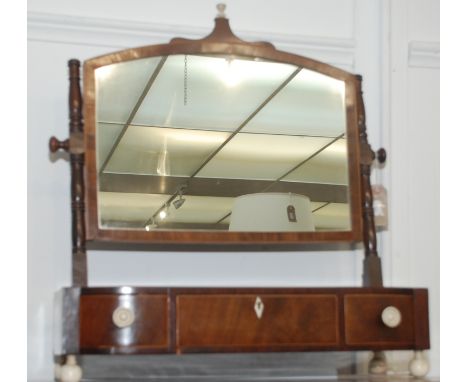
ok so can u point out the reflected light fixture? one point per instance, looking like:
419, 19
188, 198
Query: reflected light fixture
163, 213
178, 203
152, 226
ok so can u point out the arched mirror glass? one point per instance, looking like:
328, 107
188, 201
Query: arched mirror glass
220, 142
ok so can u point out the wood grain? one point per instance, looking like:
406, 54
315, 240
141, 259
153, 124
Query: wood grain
203, 320
226, 321
363, 322
148, 334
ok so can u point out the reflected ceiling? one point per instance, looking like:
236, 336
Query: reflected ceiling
204, 130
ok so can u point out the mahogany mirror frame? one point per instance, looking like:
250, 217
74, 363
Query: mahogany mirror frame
223, 42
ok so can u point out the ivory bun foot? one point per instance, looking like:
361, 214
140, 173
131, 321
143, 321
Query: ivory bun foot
419, 366
70, 371
57, 371
378, 364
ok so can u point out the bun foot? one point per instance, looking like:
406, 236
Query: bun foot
418, 366
378, 364
71, 371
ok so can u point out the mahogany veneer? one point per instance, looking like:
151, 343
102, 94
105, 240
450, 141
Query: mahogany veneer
364, 326
183, 320
149, 333
227, 321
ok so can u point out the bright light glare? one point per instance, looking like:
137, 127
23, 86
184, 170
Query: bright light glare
104, 72
163, 214
320, 81
126, 290
232, 74
338, 148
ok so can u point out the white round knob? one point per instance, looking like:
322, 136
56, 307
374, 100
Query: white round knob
70, 372
418, 366
391, 316
123, 317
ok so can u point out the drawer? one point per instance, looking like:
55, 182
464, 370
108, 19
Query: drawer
124, 323
364, 325
256, 322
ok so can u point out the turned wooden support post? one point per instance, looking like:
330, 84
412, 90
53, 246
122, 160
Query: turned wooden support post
80, 274
372, 271
75, 147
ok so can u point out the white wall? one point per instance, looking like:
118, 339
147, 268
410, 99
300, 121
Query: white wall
392, 43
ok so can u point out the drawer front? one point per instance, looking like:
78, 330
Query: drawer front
364, 325
124, 323
256, 322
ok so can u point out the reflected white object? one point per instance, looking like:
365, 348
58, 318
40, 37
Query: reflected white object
418, 366
70, 372
391, 316
123, 317
378, 363
271, 212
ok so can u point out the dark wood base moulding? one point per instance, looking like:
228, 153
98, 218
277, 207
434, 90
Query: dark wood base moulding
130, 320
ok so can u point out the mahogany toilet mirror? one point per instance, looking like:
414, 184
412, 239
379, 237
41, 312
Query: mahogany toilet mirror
220, 143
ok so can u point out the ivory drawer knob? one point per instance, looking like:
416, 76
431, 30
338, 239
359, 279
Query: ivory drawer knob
123, 317
391, 316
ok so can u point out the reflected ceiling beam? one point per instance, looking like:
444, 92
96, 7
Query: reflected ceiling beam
135, 109
322, 206
249, 118
233, 134
305, 161
165, 225
217, 130
218, 187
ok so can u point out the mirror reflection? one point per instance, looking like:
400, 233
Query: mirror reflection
196, 142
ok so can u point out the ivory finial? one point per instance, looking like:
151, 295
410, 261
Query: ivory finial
221, 7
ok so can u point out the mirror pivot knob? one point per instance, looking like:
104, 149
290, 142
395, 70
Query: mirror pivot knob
381, 155
55, 145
